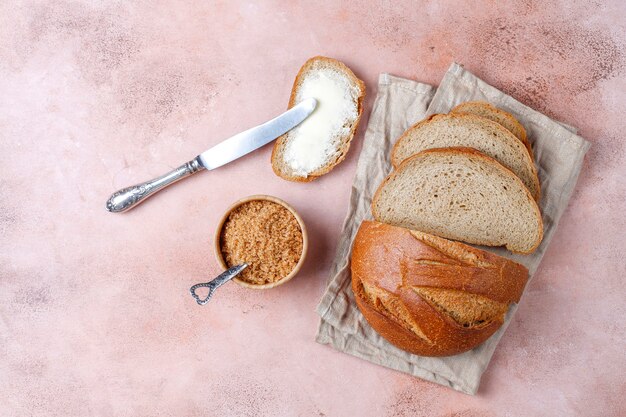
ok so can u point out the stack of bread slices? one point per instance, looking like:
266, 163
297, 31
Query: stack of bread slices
467, 176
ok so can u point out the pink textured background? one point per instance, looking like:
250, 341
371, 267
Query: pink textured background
95, 317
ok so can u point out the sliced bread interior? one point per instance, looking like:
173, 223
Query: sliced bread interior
468, 130
491, 112
460, 194
321, 141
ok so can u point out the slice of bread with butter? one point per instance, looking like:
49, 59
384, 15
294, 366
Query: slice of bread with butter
320, 142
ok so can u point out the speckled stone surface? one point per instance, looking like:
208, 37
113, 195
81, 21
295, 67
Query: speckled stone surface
95, 315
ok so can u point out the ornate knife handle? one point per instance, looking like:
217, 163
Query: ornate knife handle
129, 197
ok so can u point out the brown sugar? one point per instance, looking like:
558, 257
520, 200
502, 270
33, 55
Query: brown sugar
266, 236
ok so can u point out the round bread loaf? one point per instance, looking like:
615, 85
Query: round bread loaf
428, 295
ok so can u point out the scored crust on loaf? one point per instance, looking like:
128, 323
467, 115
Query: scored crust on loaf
468, 130
391, 306
460, 194
333, 141
476, 309
491, 112
428, 295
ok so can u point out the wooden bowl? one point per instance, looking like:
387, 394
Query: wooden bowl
218, 234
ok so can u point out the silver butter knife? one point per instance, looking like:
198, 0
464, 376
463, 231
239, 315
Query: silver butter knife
220, 154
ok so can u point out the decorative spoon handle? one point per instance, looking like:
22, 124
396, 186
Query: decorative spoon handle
221, 279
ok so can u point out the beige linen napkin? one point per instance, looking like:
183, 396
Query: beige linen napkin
399, 104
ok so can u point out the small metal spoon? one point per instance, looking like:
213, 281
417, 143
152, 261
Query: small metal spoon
220, 280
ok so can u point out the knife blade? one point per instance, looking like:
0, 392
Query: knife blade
251, 139
220, 154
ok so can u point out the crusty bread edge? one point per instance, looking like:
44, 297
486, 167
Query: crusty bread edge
502, 290
394, 149
478, 154
371, 234
394, 333
397, 335
524, 138
292, 102
506, 289
495, 125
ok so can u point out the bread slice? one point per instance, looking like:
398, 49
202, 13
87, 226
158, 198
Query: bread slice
428, 295
491, 112
320, 142
460, 194
468, 130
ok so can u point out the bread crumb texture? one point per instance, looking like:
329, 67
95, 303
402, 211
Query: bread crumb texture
266, 236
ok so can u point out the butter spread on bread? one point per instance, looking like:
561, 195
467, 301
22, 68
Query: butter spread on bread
322, 140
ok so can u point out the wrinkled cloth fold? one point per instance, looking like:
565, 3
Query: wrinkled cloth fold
400, 103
